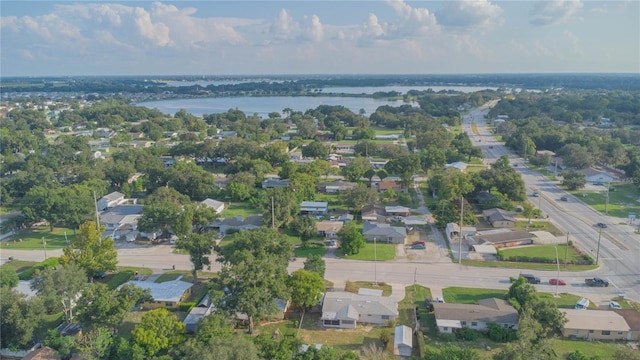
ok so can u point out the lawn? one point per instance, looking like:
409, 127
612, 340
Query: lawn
383, 252
312, 248
20, 265
459, 295
547, 252
33, 239
240, 208
596, 349
122, 275
527, 265
354, 286
538, 226
414, 299
564, 300
622, 201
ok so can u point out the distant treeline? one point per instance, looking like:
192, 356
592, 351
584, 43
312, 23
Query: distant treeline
296, 85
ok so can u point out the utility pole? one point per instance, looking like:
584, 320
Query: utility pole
558, 263
606, 204
375, 262
566, 251
95, 204
598, 250
273, 219
460, 233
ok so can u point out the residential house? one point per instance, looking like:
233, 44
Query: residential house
270, 183
168, 294
227, 225
24, 288
110, 200
344, 218
344, 149
397, 211
42, 353
329, 229
414, 220
499, 218
594, 176
373, 213
595, 325
484, 252
345, 310
334, 187
450, 317
403, 341
384, 233
505, 239
199, 312
120, 216
458, 165
385, 185
216, 205
453, 231
316, 208
632, 317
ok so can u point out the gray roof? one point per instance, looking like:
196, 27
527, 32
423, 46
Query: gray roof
117, 214
341, 305
314, 204
113, 196
496, 214
164, 291
506, 236
488, 310
215, 204
255, 220
376, 229
403, 336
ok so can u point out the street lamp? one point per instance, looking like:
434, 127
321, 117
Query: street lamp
598, 249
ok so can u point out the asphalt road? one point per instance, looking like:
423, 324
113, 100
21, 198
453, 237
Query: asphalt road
618, 252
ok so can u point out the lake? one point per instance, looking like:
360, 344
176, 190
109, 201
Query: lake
262, 106
401, 89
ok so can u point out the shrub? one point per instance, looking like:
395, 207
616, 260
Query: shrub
28, 274
467, 334
422, 347
187, 306
498, 333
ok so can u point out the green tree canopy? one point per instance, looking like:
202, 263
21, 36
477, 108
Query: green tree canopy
158, 332
60, 287
351, 239
315, 263
8, 277
90, 251
199, 247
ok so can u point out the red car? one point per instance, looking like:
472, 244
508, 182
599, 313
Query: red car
557, 282
419, 242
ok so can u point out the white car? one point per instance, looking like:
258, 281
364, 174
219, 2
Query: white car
614, 305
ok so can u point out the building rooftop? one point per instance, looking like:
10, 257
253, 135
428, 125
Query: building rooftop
165, 291
117, 214
595, 320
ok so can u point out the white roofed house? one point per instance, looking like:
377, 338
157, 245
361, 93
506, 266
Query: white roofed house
110, 200
168, 294
595, 176
344, 309
450, 317
216, 205
384, 233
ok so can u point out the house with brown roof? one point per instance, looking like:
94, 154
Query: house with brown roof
385, 185
334, 187
595, 325
499, 218
373, 213
329, 229
505, 238
632, 317
450, 317
397, 211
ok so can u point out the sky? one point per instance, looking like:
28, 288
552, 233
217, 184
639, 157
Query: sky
59, 38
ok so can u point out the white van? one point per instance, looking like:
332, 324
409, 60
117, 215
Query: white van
582, 304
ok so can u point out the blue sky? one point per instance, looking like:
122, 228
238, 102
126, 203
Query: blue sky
317, 37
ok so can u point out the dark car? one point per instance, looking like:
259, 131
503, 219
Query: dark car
601, 225
531, 279
564, 198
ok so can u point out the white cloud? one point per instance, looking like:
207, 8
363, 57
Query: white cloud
412, 22
553, 11
313, 29
469, 14
284, 28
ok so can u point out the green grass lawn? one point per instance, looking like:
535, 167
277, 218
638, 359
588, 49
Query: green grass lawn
622, 201
32, 239
20, 265
527, 265
122, 275
564, 300
313, 248
385, 131
601, 350
240, 208
414, 298
383, 252
523, 224
547, 252
459, 295
354, 286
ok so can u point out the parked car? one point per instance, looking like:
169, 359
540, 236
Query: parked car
614, 305
439, 300
535, 194
557, 282
419, 242
490, 146
564, 198
418, 247
601, 225
582, 304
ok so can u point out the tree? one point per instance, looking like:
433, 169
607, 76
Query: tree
238, 191
285, 206
95, 344
199, 247
214, 326
531, 342
405, 167
452, 184
356, 169
100, 306
452, 352
528, 210
351, 239
254, 273
315, 263
360, 196
306, 289
304, 186
235, 347
90, 251
158, 332
20, 317
521, 293
63, 345
8, 277
626, 353
574, 180
60, 286
315, 149
304, 226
